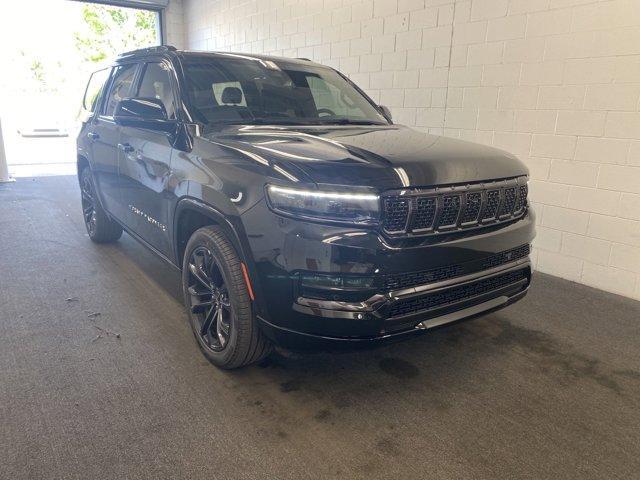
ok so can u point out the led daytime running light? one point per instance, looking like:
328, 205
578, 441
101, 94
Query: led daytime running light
334, 195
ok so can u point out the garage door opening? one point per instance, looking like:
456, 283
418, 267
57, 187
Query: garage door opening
49, 50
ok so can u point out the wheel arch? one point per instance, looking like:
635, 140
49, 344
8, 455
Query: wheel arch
192, 214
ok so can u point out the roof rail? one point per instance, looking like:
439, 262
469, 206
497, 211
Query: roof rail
303, 58
158, 49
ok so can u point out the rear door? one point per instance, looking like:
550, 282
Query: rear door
145, 162
104, 135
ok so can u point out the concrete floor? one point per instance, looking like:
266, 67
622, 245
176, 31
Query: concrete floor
549, 388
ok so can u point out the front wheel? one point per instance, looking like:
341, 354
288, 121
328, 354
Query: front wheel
220, 310
100, 227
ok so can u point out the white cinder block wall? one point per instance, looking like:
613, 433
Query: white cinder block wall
174, 24
555, 81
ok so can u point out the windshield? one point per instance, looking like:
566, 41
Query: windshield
252, 91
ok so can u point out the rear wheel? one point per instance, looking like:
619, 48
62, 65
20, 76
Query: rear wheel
100, 227
218, 302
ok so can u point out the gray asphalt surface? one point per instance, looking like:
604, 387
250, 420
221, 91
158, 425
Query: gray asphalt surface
548, 388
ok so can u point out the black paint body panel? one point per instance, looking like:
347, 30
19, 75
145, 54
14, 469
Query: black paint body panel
222, 172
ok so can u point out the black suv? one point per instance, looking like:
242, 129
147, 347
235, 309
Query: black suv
296, 210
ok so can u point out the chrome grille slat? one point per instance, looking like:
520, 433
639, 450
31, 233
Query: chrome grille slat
450, 208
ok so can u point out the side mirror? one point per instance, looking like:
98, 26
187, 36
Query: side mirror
148, 113
385, 111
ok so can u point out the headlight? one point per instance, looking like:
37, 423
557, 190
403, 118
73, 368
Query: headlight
343, 207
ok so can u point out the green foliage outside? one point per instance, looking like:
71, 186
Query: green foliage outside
109, 31
50, 68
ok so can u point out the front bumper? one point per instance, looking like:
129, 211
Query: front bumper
399, 327
301, 340
282, 248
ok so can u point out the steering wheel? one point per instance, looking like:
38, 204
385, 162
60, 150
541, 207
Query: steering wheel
328, 112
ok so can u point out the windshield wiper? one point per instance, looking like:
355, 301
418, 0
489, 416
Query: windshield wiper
348, 121
261, 121
295, 122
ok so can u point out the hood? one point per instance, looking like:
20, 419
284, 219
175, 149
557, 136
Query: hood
382, 157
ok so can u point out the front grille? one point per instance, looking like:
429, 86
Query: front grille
521, 201
472, 208
507, 256
411, 279
396, 211
397, 281
509, 201
425, 212
491, 205
455, 294
450, 208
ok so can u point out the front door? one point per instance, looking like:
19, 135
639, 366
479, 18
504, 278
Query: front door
105, 136
145, 164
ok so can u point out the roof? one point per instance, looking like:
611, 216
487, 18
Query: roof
246, 56
145, 51
188, 53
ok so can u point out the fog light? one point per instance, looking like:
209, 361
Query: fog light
322, 281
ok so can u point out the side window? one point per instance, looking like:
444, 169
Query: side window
156, 83
121, 87
327, 96
94, 88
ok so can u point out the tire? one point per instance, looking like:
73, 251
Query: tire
100, 227
211, 259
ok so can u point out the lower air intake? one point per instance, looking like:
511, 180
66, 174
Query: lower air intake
455, 294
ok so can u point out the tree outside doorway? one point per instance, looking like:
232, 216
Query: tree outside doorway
49, 58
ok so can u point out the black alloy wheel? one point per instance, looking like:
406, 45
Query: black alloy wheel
219, 301
210, 304
100, 227
88, 204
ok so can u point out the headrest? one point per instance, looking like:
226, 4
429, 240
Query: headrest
231, 95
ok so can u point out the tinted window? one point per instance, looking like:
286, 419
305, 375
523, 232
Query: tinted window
121, 87
94, 87
251, 90
329, 98
156, 83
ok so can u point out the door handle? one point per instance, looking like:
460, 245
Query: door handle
93, 136
125, 147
